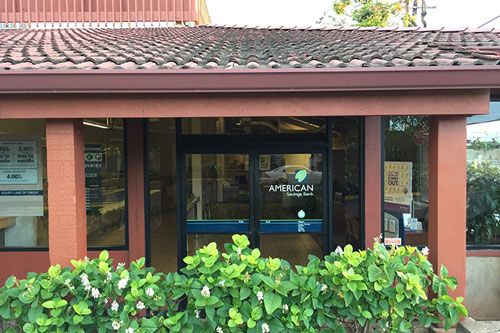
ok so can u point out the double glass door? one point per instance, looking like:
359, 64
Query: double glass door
276, 198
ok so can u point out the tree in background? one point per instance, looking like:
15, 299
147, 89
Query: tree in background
378, 13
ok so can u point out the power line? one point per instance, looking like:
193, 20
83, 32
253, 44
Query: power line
493, 19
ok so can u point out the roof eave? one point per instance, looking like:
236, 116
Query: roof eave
250, 80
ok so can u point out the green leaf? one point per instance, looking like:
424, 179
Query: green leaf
244, 293
463, 310
348, 298
256, 313
443, 272
77, 319
104, 255
210, 311
49, 305
28, 328
271, 302
34, 312
148, 325
366, 314
374, 273
251, 323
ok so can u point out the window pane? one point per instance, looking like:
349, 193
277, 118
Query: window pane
217, 193
483, 178
23, 184
346, 181
105, 182
406, 179
162, 196
260, 125
291, 192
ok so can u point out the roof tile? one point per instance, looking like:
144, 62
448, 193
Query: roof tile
214, 47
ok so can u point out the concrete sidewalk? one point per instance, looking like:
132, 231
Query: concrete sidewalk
470, 325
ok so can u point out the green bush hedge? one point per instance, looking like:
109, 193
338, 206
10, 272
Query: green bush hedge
236, 291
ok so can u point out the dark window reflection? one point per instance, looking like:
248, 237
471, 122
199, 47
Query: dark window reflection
346, 181
254, 125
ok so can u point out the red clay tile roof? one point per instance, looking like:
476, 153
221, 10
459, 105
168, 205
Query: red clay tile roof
209, 47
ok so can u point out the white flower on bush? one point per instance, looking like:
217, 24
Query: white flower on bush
85, 282
265, 328
68, 283
339, 250
238, 250
378, 238
219, 329
197, 313
85, 279
260, 295
222, 283
140, 306
426, 251
121, 265
108, 276
116, 325
205, 292
284, 308
95, 293
324, 287
123, 283
105, 301
114, 306
129, 330
150, 292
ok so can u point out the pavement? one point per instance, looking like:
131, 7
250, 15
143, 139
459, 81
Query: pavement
470, 325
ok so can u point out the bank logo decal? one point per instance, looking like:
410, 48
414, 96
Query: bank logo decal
299, 189
301, 214
301, 176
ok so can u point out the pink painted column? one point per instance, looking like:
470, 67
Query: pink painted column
373, 178
66, 190
136, 217
447, 196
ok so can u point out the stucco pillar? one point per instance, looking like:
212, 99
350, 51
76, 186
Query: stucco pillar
135, 180
66, 190
373, 178
447, 196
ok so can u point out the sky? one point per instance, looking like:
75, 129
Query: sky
304, 13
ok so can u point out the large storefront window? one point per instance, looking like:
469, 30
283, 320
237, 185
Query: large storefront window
483, 178
291, 184
105, 182
23, 184
406, 166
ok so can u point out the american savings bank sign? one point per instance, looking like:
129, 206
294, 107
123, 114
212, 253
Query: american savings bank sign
296, 190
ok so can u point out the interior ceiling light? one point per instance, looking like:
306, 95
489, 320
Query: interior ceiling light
107, 126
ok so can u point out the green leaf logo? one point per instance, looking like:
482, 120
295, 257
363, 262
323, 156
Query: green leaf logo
300, 175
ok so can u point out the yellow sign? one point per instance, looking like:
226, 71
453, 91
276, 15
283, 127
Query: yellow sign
397, 183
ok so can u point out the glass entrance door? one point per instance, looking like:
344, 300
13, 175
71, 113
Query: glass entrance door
277, 199
291, 206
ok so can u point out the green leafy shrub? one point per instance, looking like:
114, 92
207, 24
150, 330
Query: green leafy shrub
237, 291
